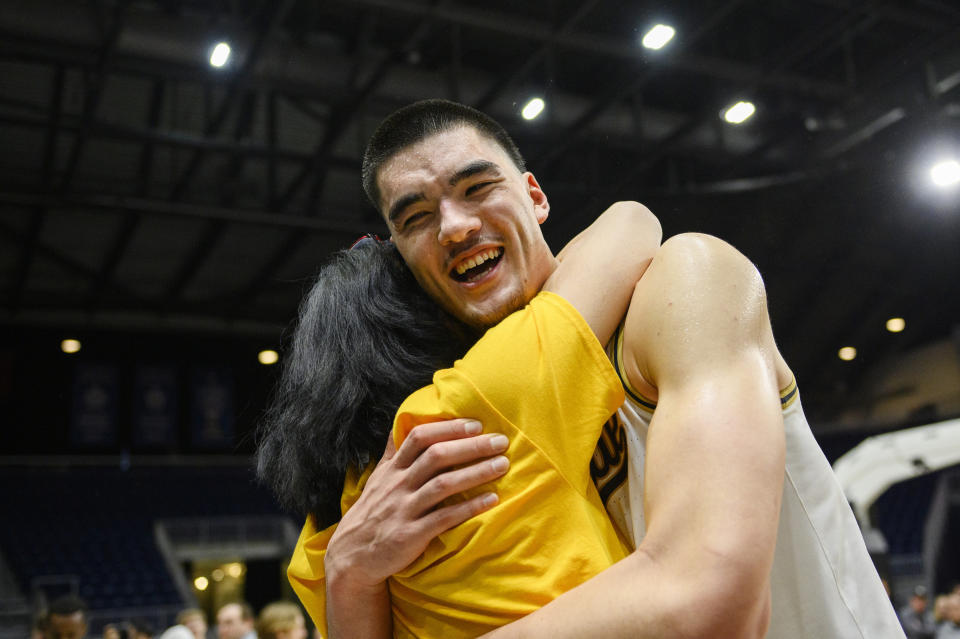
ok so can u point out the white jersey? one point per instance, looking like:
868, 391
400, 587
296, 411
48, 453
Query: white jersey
823, 582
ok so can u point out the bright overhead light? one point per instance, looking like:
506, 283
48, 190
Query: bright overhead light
70, 346
945, 173
847, 353
267, 357
896, 324
234, 570
532, 109
201, 583
220, 55
739, 112
658, 36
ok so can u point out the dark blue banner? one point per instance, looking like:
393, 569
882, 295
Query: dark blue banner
155, 407
93, 415
212, 409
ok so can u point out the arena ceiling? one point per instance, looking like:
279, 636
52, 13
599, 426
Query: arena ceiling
143, 189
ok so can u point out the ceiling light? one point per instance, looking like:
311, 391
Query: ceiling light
896, 324
201, 583
267, 357
234, 570
945, 173
220, 55
847, 353
70, 346
658, 36
532, 109
739, 112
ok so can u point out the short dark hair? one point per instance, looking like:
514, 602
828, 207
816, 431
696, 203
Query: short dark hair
367, 337
415, 122
67, 605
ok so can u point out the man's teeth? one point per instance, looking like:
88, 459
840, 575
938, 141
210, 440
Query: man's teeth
477, 260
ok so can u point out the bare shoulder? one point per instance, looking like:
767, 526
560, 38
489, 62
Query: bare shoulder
700, 302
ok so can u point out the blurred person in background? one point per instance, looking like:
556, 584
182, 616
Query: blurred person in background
916, 620
178, 631
195, 620
938, 608
66, 618
235, 621
140, 629
281, 620
111, 631
950, 626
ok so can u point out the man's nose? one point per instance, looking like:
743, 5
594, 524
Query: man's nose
457, 222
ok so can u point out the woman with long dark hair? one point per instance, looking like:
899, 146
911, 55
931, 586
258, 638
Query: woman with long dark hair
368, 337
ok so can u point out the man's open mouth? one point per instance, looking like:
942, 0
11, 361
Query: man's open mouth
477, 266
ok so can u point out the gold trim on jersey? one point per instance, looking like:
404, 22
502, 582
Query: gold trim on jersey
788, 395
634, 394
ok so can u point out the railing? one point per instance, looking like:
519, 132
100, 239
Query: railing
185, 539
229, 530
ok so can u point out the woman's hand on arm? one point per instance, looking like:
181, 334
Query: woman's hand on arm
397, 515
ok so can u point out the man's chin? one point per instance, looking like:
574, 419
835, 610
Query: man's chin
482, 318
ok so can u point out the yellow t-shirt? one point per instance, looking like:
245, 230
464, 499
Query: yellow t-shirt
541, 378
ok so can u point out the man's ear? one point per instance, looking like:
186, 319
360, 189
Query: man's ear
541, 206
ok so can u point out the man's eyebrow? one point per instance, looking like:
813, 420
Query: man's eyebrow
477, 166
401, 204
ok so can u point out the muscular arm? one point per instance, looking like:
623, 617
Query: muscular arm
698, 332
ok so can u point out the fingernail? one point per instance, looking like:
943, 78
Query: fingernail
498, 442
472, 427
489, 500
500, 464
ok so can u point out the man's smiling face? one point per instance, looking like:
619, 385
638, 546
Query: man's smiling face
467, 222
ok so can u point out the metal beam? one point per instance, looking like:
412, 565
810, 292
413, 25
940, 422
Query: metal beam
880, 102
241, 131
130, 221
898, 14
535, 58
126, 133
266, 273
17, 236
96, 82
123, 205
624, 90
455, 63
273, 132
28, 248
238, 84
188, 269
626, 50
340, 117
